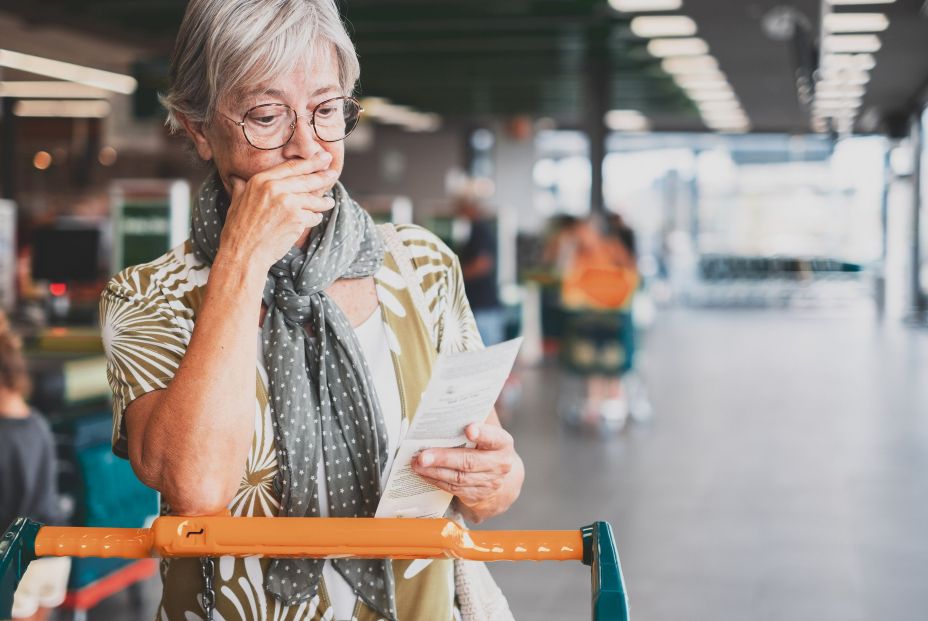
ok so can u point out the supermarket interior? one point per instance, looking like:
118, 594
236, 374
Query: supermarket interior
706, 220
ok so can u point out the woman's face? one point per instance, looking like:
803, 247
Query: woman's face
223, 142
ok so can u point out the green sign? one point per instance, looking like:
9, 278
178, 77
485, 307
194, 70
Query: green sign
144, 232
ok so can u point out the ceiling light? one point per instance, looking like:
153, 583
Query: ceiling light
849, 77
690, 65
856, 22
829, 91
644, 6
700, 96
626, 120
689, 46
835, 105
50, 90
840, 2
663, 26
863, 62
851, 103
61, 108
424, 122
384, 111
867, 43
67, 71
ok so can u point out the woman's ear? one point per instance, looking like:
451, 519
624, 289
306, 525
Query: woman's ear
200, 141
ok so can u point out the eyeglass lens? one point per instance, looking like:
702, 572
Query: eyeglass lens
270, 126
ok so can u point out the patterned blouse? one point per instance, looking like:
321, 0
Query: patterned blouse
148, 313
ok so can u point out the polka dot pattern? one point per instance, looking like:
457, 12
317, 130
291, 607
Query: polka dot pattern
323, 403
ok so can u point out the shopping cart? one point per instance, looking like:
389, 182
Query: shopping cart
173, 537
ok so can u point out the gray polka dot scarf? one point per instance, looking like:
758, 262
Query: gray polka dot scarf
323, 403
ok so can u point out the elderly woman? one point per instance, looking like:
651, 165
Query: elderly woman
268, 364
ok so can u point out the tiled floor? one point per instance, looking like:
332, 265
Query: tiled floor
784, 476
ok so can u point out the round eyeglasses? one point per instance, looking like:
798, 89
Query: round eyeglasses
271, 126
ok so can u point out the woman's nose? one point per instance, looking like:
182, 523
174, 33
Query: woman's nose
304, 143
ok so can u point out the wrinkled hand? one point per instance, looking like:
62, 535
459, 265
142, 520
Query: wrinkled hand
271, 210
478, 477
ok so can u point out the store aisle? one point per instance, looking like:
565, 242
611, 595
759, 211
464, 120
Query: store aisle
783, 476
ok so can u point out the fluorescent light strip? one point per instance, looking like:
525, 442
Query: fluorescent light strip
383, 110
865, 43
663, 26
644, 6
846, 77
50, 90
626, 120
839, 93
863, 62
856, 22
689, 46
61, 108
98, 78
836, 105
690, 65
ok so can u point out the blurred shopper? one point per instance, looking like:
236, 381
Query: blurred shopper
28, 479
597, 283
626, 248
479, 267
286, 280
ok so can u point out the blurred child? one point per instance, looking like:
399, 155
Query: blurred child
28, 485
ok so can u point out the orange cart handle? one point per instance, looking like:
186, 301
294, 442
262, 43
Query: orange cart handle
309, 538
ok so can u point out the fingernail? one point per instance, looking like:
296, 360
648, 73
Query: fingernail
426, 459
474, 432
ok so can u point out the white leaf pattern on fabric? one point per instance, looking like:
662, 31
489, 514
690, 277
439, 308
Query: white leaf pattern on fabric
394, 342
226, 565
416, 566
392, 279
230, 595
389, 300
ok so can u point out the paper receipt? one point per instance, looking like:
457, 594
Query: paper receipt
462, 390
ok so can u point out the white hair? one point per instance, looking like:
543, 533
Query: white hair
224, 48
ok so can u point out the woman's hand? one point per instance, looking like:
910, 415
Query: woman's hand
486, 479
272, 210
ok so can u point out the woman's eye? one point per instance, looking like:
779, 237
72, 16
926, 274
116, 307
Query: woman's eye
266, 118
326, 111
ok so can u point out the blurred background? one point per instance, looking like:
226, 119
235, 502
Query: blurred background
707, 218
